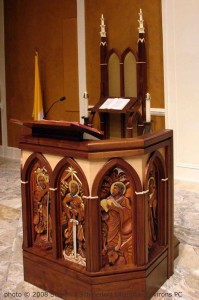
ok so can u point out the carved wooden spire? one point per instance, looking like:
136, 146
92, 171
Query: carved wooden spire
103, 58
142, 78
141, 22
103, 31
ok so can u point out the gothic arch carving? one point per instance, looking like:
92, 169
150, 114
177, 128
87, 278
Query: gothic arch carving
157, 159
115, 185
72, 191
114, 51
156, 183
36, 178
60, 169
114, 73
29, 163
111, 164
130, 72
129, 50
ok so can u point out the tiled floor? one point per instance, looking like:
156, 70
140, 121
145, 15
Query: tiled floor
184, 284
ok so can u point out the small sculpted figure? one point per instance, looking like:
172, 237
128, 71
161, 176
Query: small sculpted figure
116, 214
41, 212
152, 215
73, 207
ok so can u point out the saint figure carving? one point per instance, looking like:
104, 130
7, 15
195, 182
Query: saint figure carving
73, 207
152, 212
117, 229
41, 211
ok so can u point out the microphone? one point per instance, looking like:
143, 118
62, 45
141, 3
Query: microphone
60, 99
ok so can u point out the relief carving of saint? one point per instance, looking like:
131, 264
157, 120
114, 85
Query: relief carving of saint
152, 212
73, 218
42, 222
116, 220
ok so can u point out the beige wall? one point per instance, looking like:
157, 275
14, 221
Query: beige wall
181, 60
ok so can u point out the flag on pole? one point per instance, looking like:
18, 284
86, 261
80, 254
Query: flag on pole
38, 113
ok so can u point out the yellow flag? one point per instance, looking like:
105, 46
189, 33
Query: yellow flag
38, 113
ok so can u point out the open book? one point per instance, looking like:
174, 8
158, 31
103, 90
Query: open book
114, 103
110, 201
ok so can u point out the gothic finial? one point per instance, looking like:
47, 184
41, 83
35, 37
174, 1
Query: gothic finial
141, 22
102, 32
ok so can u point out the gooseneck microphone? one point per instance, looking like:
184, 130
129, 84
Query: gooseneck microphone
61, 99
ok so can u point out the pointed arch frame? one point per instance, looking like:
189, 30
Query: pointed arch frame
57, 174
26, 197
156, 159
139, 209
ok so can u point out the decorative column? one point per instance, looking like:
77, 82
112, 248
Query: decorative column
93, 225
103, 60
148, 122
142, 227
142, 78
85, 108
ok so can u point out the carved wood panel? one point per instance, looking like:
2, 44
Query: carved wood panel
156, 184
72, 186
153, 204
116, 191
40, 207
37, 214
73, 217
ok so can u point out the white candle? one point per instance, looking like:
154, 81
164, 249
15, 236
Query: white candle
148, 107
85, 104
102, 20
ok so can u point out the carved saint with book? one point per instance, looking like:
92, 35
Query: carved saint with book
116, 212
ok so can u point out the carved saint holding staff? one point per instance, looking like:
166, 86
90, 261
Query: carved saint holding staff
152, 212
73, 218
41, 210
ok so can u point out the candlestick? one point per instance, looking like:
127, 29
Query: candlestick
85, 96
148, 107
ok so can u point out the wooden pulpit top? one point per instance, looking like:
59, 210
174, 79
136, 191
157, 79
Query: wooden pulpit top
59, 129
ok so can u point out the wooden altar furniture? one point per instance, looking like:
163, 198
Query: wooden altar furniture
123, 76
97, 214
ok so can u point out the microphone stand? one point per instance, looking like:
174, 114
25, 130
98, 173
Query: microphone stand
61, 99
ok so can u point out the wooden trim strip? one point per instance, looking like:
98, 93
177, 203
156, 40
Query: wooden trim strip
165, 179
90, 197
24, 182
53, 189
141, 193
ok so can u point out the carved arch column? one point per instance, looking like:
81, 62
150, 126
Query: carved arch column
156, 182
113, 172
38, 205
71, 210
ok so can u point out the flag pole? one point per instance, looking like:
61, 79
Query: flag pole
38, 101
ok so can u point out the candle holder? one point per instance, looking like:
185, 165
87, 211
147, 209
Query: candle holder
85, 120
147, 127
85, 97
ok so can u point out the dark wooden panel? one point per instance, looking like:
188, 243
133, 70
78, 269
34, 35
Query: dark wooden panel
72, 285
